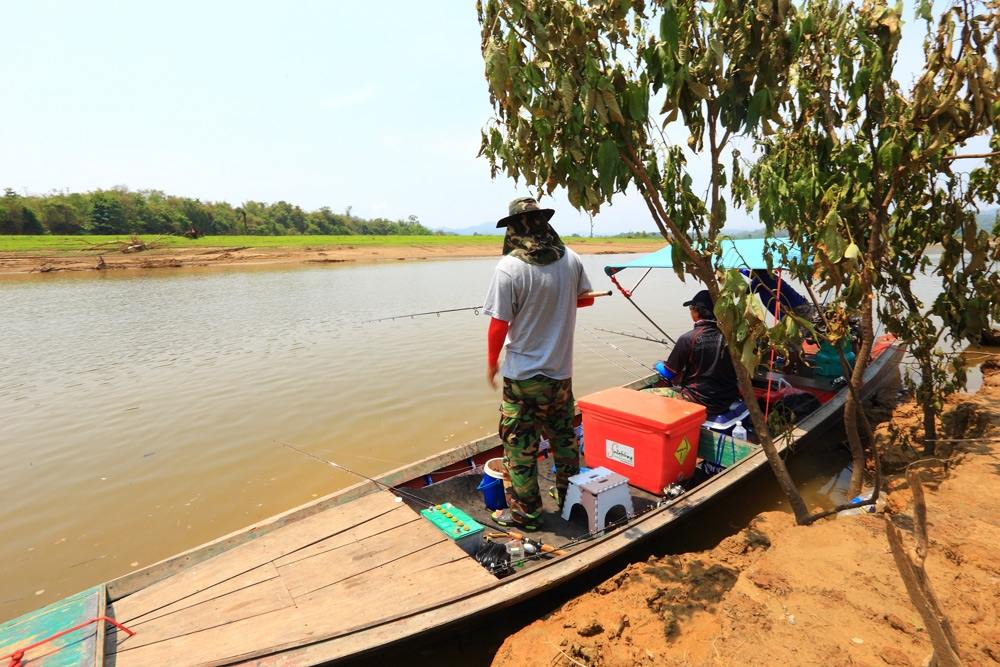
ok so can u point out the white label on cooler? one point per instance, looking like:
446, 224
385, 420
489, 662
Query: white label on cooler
616, 451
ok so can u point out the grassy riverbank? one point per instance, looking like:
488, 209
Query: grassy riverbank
71, 244
46, 254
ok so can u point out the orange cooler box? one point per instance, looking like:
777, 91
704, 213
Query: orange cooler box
651, 439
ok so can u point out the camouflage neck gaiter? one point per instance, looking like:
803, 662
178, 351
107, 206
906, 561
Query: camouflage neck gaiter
533, 240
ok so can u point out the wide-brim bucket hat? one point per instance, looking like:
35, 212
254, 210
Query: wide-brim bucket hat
523, 205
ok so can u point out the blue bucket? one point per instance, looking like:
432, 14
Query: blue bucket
492, 489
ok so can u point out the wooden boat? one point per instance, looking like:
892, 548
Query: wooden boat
358, 569
362, 568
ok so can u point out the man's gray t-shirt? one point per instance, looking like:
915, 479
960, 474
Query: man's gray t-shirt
540, 304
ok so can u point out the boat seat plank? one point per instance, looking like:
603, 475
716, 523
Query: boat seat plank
253, 554
329, 567
245, 580
266, 596
430, 575
418, 577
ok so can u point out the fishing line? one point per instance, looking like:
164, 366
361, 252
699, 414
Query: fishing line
645, 331
610, 344
334, 464
615, 363
628, 335
598, 352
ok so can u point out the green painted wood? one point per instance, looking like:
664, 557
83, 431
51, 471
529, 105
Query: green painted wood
76, 648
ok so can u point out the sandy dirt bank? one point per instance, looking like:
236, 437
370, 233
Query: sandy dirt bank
828, 594
33, 262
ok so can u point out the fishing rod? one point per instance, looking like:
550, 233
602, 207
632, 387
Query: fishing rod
628, 297
374, 481
628, 335
475, 309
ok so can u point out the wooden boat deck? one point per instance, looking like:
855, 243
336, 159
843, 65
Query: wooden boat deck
308, 581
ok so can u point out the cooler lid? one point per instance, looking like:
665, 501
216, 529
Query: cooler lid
651, 410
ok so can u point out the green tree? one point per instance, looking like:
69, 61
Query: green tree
16, 218
120, 211
107, 215
861, 171
287, 217
573, 86
60, 217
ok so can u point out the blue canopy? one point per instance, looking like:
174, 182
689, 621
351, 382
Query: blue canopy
741, 254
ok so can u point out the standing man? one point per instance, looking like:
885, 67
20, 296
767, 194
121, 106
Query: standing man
532, 300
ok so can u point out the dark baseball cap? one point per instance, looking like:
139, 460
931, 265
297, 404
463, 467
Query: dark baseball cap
702, 298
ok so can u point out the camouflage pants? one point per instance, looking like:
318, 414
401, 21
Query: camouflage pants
532, 408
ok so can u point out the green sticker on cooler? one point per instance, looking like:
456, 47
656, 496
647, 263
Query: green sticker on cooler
682, 451
451, 521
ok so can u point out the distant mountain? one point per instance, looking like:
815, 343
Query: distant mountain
758, 233
484, 229
490, 229
986, 219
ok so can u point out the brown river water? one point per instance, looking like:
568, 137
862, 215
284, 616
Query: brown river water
142, 413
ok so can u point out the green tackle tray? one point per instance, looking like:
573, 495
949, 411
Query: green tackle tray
451, 521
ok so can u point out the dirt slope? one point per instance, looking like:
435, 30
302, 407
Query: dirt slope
829, 594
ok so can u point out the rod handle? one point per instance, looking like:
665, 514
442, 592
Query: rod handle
544, 548
591, 295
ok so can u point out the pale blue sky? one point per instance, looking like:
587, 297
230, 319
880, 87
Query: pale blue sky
377, 106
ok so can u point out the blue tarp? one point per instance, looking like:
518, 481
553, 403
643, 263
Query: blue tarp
741, 254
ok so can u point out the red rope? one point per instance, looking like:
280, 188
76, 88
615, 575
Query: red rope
17, 656
770, 364
614, 281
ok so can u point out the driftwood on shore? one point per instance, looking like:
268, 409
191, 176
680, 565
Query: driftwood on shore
133, 244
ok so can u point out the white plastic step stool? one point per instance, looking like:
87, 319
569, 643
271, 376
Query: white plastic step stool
597, 491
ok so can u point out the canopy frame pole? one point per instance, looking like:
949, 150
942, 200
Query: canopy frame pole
636, 286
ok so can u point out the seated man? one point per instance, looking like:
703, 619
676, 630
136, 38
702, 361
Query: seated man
699, 366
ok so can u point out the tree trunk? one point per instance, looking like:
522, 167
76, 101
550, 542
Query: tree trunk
851, 418
745, 380
930, 427
925, 392
767, 444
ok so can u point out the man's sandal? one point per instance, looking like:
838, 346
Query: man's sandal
507, 519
